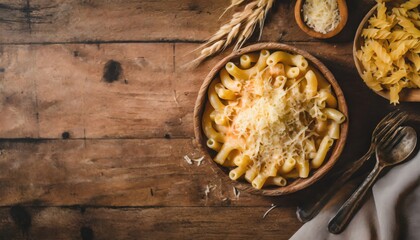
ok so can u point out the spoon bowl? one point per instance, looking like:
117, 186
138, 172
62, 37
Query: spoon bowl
395, 150
342, 8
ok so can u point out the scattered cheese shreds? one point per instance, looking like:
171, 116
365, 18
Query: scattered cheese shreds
190, 160
236, 192
209, 188
198, 160
321, 15
269, 210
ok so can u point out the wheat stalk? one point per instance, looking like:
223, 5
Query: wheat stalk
239, 28
234, 3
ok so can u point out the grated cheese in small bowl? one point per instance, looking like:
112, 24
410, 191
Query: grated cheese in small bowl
322, 16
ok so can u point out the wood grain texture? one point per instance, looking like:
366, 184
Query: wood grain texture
72, 96
62, 88
114, 173
121, 173
43, 21
149, 223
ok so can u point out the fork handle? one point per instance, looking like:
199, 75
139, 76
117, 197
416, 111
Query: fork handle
344, 215
308, 211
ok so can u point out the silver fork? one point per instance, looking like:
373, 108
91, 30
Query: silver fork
383, 131
394, 150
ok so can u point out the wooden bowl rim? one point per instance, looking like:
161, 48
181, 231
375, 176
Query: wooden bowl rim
342, 7
297, 184
406, 95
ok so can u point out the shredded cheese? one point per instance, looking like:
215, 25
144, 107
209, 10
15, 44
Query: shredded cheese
209, 187
272, 122
321, 15
190, 160
236, 192
269, 210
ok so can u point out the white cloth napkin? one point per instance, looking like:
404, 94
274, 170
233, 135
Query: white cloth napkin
391, 210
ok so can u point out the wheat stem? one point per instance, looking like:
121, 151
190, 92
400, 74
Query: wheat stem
239, 29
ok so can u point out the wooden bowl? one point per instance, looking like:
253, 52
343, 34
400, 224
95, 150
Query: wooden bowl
406, 95
297, 184
342, 8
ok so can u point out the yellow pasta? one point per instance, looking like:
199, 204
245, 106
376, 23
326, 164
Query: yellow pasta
302, 167
334, 115
259, 181
390, 53
415, 59
251, 173
277, 70
211, 143
247, 59
287, 166
293, 174
228, 82
214, 99
312, 84
223, 92
334, 130
291, 72
208, 129
224, 152
268, 117
277, 181
288, 59
321, 126
241, 161
326, 143
329, 99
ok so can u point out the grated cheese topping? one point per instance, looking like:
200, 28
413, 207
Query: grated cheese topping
321, 15
272, 122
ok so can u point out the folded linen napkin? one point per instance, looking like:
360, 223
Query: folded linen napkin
391, 210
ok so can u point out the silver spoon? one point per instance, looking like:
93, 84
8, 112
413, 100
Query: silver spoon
392, 152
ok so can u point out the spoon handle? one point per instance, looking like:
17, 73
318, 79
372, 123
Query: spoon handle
344, 215
309, 210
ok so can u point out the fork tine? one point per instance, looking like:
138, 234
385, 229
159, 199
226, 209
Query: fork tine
397, 140
385, 143
394, 140
379, 127
389, 116
391, 125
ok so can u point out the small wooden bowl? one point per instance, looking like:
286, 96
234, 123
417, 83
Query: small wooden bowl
297, 184
342, 8
406, 95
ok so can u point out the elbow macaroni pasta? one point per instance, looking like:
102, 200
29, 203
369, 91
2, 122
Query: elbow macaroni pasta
390, 53
271, 118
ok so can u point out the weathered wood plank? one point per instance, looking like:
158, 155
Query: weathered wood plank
148, 223
153, 96
128, 172
29, 21
113, 173
65, 87
71, 95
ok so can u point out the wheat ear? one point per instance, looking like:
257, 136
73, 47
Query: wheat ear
239, 28
234, 3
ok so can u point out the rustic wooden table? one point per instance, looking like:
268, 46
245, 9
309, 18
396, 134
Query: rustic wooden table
87, 158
